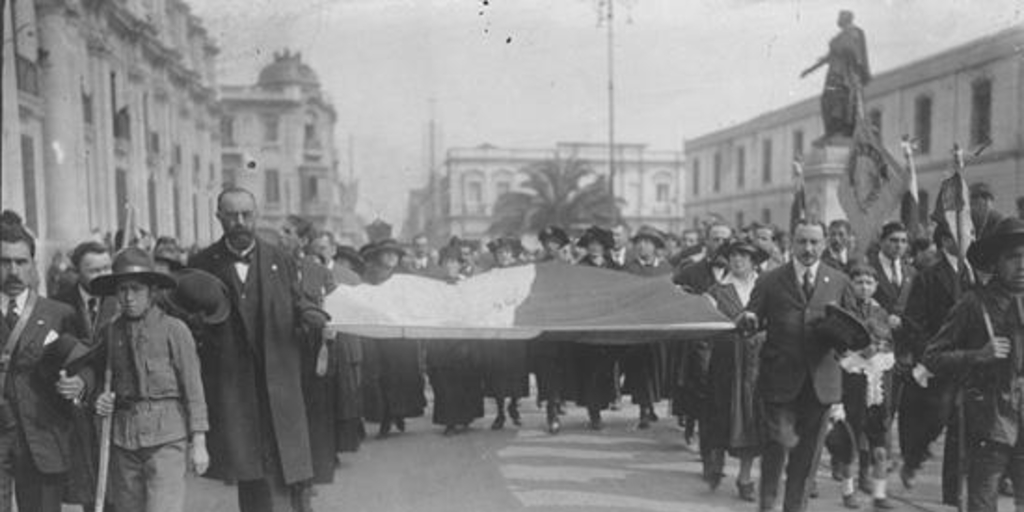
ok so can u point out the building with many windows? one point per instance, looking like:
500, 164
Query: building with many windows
277, 140
647, 182
969, 95
109, 107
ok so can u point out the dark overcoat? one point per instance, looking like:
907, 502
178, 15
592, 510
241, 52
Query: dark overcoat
44, 418
231, 369
793, 352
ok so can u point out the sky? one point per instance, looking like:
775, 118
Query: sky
530, 73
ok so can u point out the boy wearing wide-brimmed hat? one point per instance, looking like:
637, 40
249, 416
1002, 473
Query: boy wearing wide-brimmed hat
983, 339
156, 393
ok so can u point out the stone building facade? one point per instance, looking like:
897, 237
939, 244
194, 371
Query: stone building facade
967, 95
278, 140
109, 106
649, 183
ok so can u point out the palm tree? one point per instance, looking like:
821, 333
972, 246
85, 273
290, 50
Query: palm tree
555, 194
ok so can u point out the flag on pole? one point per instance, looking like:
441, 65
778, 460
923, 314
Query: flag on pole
952, 210
873, 186
548, 300
798, 210
913, 216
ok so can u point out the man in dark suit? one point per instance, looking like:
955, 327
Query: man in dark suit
688, 362
800, 374
925, 411
35, 405
895, 273
90, 260
839, 250
258, 430
983, 214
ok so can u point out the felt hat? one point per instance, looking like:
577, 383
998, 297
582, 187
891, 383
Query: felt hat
371, 250
506, 241
756, 253
597, 234
131, 263
841, 329
63, 353
652, 234
199, 294
981, 189
449, 253
554, 234
1007, 234
351, 255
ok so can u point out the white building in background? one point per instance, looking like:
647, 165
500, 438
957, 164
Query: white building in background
278, 141
649, 183
108, 104
967, 95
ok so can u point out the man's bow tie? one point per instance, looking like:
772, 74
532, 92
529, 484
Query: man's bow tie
240, 258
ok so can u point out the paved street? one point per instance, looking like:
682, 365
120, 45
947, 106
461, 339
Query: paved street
525, 469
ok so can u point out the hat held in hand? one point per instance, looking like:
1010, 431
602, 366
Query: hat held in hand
842, 330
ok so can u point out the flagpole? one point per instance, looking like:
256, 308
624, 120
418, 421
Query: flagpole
908, 153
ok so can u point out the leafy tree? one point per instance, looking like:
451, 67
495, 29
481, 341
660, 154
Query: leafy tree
556, 192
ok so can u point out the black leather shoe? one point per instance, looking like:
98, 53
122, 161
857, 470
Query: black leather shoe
746, 491
450, 430
513, 412
385, 430
400, 424
499, 423
554, 425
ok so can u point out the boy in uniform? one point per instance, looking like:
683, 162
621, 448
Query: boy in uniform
156, 393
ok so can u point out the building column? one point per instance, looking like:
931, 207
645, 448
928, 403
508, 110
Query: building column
66, 209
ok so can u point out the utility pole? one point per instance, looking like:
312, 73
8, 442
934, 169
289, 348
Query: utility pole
611, 96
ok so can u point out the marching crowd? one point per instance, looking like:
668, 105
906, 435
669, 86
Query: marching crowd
217, 361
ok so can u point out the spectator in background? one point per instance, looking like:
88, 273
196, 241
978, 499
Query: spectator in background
620, 254
983, 213
60, 275
168, 255
839, 250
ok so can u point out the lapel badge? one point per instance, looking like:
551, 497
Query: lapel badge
40, 322
825, 279
273, 267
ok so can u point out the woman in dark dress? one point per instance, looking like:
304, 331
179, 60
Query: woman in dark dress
453, 366
595, 388
551, 361
730, 420
393, 386
504, 361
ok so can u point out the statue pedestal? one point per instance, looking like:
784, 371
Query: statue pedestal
824, 168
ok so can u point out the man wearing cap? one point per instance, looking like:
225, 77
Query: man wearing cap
984, 216
642, 364
35, 406
983, 339
799, 375
259, 435
156, 394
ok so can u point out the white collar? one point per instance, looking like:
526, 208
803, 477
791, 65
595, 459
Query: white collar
85, 295
20, 300
801, 270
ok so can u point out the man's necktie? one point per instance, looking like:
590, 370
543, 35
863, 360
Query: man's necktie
93, 308
808, 284
11, 317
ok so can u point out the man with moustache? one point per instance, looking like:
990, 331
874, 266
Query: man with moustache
35, 408
800, 375
258, 434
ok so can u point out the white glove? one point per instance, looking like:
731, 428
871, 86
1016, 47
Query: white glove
921, 375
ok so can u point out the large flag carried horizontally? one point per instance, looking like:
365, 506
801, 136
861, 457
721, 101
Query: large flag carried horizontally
874, 183
548, 300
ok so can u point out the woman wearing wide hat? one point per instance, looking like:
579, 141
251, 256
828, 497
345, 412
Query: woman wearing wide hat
392, 382
731, 419
506, 375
